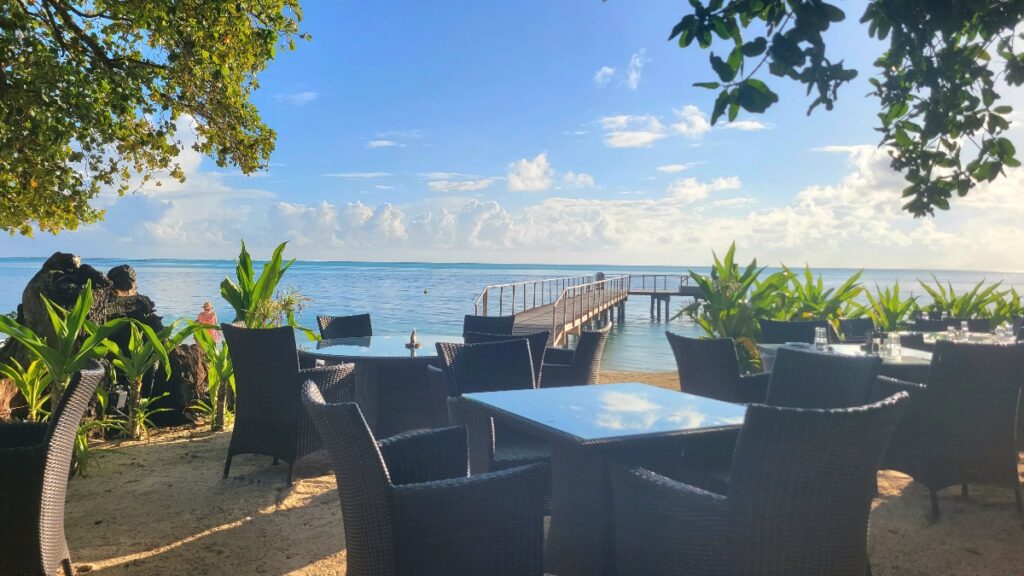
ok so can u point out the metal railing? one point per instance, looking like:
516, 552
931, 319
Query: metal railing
667, 283
518, 296
575, 302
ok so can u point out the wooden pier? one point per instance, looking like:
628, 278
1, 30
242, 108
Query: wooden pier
566, 305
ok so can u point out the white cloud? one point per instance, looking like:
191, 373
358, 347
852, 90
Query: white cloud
676, 168
530, 175
635, 70
384, 144
692, 122
581, 180
748, 125
459, 185
297, 98
691, 190
625, 131
383, 187
358, 175
604, 75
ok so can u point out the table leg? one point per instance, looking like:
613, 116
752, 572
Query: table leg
366, 392
580, 538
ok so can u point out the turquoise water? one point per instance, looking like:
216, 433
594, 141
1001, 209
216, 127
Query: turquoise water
431, 297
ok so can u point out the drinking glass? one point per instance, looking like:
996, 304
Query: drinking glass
951, 332
820, 338
965, 329
895, 348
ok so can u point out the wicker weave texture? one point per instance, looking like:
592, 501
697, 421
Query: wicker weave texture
585, 364
344, 326
709, 367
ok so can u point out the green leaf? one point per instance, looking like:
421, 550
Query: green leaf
725, 71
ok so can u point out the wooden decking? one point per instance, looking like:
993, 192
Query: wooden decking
568, 316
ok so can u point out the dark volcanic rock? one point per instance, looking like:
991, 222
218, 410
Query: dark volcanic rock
186, 385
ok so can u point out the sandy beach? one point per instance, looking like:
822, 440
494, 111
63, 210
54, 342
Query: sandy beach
160, 507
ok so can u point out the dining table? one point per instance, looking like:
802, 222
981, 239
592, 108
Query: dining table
392, 387
588, 428
910, 365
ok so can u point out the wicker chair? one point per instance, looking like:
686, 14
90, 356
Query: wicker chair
538, 345
488, 324
915, 341
344, 326
809, 379
855, 329
803, 481
564, 367
931, 325
1017, 324
781, 331
960, 427
709, 367
35, 460
410, 508
269, 418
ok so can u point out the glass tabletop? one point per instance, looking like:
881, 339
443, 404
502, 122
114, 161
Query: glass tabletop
906, 354
608, 412
380, 346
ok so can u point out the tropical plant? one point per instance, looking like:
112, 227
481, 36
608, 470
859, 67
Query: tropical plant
143, 351
810, 300
254, 298
1007, 307
975, 303
74, 342
733, 301
887, 308
940, 114
32, 383
220, 381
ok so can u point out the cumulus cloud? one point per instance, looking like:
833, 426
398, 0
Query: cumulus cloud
297, 98
691, 190
626, 131
635, 70
604, 75
581, 180
693, 123
459, 185
530, 175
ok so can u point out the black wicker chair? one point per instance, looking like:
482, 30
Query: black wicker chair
410, 507
344, 326
565, 367
809, 379
538, 345
269, 418
782, 331
931, 325
960, 427
494, 366
488, 324
915, 341
1017, 324
35, 460
799, 503
855, 329
709, 367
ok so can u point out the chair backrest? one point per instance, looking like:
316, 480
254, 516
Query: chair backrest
915, 341
363, 482
1017, 324
586, 360
810, 379
856, 329
267, 392
60, 445
782, 331
707, 367
940, 325
801, 486
488, 324
488, 367
344, 326
971, 403
538, 345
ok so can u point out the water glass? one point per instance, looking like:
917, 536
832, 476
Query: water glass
820, 338
965, 329
951, 333
895, 348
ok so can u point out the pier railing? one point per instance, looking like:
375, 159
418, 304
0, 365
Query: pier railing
666, 283
575, 303
508, 299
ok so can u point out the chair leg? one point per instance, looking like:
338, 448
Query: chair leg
935, 503
66, 567
227, 466
291, 467
1020, 498
963, 490
275, 461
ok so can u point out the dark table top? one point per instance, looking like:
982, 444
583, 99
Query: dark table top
909, 356
382, 346
607, 413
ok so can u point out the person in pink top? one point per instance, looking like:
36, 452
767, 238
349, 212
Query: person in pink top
208, 316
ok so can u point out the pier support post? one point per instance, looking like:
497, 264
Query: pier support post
652, 306
622, 313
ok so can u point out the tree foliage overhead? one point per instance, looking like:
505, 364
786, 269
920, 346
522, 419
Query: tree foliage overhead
90, 91
940, 116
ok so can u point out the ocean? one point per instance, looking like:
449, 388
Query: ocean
432, 298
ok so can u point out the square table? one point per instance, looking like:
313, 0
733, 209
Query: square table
584, 425
912, 365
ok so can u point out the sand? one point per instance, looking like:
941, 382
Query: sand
160, 507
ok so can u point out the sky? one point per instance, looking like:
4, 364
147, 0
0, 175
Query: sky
546, 132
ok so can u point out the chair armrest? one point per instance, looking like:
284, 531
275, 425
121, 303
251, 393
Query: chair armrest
485, 524
886, 386
553, 375
22, 434
753, 388
480, 431
667, 527
558, 356
426, 455
336, 381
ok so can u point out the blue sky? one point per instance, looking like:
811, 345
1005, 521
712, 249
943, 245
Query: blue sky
539, 131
